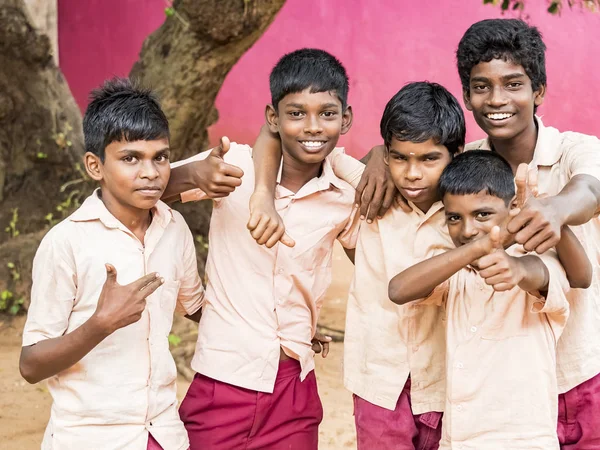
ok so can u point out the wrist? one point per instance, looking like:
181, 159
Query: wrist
98, 326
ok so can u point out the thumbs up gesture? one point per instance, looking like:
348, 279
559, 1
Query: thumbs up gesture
119, 306
500, 270
214, 176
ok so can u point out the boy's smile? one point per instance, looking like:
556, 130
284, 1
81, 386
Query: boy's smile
472, 216
502, 99
416, 169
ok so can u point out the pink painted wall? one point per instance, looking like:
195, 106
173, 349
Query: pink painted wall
383, 44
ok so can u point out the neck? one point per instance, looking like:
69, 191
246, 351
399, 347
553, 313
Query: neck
519, 149
296, 174
136, 220
425, 206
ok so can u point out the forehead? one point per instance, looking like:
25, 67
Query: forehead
466, 203
416, 148
308, 98
149, 146
497, 68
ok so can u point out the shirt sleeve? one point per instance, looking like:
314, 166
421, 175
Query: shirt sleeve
582, 155
346, 167
193, 195
191, 292
438, 296
53, 290
349, 234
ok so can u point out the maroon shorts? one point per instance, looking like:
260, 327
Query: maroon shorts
220, 416
152, 444
378, 428
579, 416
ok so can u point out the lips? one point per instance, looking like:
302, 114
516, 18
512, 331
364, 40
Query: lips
498, 118
150, 190
312, 145
413, 192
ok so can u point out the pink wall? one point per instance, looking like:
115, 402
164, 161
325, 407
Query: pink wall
383, 46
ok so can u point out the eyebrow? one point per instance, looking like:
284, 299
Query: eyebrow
325, 105
134, 152
510, 76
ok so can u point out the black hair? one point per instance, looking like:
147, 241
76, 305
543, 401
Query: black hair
507, 39
422, 111
475, 171
308, 68
122, 110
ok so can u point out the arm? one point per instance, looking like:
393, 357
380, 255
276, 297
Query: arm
420, 280
350, 254
118, 306
190, 297
574, 260
206, 171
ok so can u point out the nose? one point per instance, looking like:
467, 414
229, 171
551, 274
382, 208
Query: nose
413, 172
497, 97
468, 231
313, 125
148, 170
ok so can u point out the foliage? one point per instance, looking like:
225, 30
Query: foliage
11, 229
554, 6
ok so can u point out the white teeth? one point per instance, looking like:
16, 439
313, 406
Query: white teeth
312, 144
499, 116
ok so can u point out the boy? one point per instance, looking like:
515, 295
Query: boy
255, 386
501, 331
502, 69
423, 127
106, 282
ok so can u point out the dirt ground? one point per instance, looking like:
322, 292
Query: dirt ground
24, 409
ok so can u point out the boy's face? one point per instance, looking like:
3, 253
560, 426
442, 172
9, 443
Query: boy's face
133, 174
472, 216
502, 98
416, 169
309, 124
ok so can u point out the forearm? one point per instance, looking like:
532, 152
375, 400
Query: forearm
420, 280
195, 317
574, 260
579, 201
266, 156
51, 356
536, 276
181, 180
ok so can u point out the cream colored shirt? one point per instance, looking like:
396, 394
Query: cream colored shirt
500, 360
260, 299
558, 157
125, 387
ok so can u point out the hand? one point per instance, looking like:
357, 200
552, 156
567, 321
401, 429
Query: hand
376, 191
265, 224
538, 224
214, 176
320, 340
119, 306
497, 268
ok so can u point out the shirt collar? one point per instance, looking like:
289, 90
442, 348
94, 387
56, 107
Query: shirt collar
94, 209
547, 147
437, 206
322, 182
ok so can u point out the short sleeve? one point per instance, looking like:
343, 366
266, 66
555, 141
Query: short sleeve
191, 293
53, 290
438, 296
582, 155
193, 195
346, 167
349, 235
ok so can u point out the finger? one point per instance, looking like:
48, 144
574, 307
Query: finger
359, 190
365, 200
490, 271
519, 221
269, 231
487, 261
316, 347
532, 182
402, 203
111, 274
287, 241
500, 287
229, 182
223, 148
143, 281
275, 237
253, 221
375, 204
325, 349
233, 172
149, 288
495, 238
544, 239
521, 184
496, 279
529, 231
260, 228
388, 200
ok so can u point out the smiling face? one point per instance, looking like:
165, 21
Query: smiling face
309, 125
133, 175
416, 169
502, 99
472, 216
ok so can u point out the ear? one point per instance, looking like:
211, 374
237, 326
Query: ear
539, 94
93, 166
467, 99
347, 120
272, 119
386, 155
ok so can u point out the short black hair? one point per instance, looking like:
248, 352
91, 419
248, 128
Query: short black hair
421, 111
308, 68
122, 110
507, 39
475, 171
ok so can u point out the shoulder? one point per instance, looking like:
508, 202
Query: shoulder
481, 144
238, 154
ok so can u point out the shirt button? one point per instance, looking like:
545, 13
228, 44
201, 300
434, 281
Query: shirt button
460, 365
459, 408
280, 270
473, 329
415, 348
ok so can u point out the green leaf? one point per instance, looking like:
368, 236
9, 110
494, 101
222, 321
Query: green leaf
14, 309
553, 8
41, 155
170, 11
11, 265
174, 340
5, 295
505, 5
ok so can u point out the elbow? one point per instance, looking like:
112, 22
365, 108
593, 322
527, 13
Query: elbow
27, 370
581, 281
395, 293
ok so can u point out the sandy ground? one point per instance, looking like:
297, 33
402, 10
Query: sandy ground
24, 409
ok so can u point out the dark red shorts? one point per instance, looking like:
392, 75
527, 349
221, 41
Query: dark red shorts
579, 416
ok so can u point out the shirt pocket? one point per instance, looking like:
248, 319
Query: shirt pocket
507, 318
168, 302
314, 249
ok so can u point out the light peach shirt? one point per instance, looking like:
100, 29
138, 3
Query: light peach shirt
125, 387
558, 157
260, 299
500, 360
385, 343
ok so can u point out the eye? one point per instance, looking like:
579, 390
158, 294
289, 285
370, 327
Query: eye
398, 157
129, 159
162, 157
452, 219
432, 158
329, 114
483, 215
514, 85
479, 87
296, 114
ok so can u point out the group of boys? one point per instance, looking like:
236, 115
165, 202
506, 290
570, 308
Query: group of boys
471, 320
